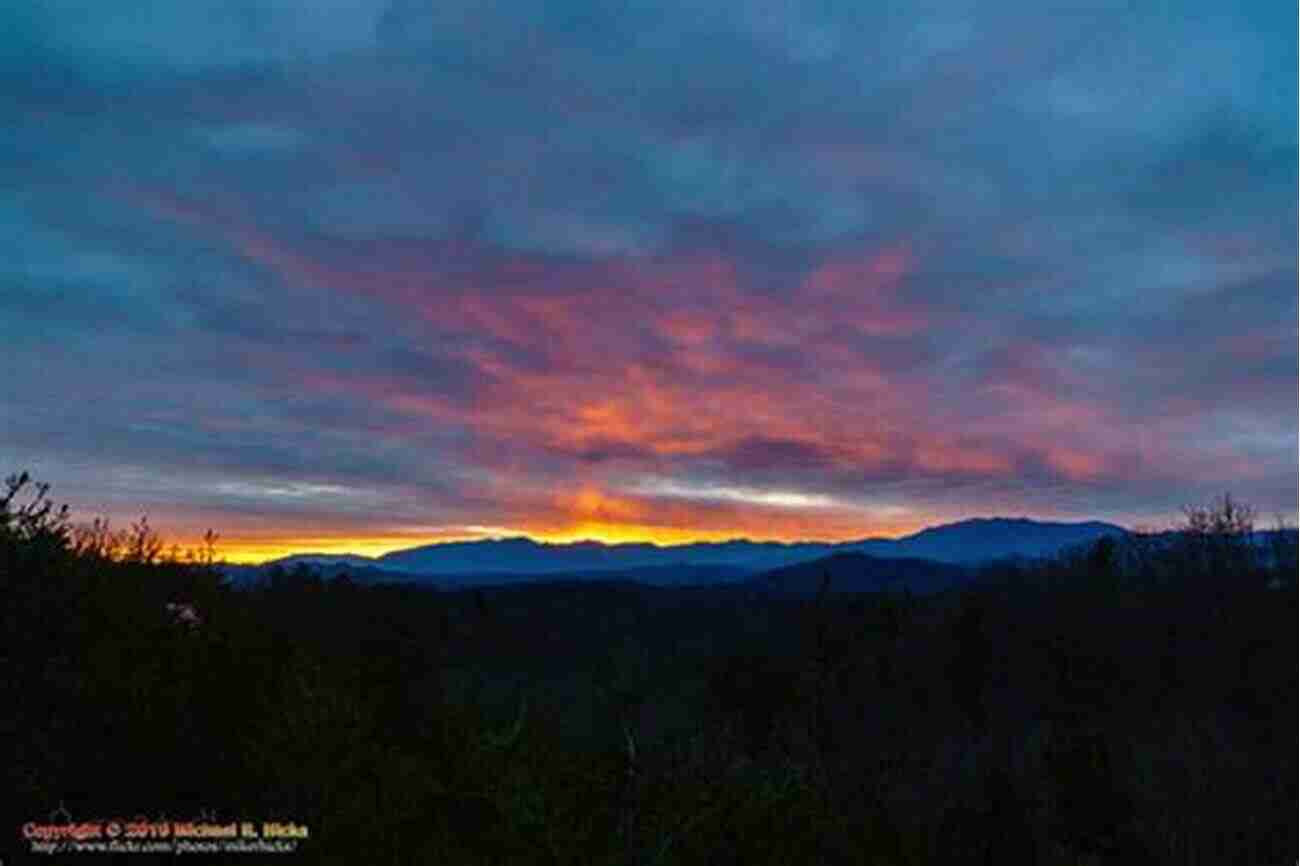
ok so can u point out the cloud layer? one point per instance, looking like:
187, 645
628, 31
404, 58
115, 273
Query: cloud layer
358, 272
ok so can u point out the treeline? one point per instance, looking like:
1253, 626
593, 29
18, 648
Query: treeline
1131, 702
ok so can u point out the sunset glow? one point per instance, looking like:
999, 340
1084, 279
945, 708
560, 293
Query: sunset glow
253, 550
347, 280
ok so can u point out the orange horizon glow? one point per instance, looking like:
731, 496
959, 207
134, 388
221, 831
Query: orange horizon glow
254, 551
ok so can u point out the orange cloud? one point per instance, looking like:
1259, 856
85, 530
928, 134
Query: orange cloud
660, 363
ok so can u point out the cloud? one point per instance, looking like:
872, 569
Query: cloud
637, 268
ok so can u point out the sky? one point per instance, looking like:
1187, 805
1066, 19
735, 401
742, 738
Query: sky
361, 274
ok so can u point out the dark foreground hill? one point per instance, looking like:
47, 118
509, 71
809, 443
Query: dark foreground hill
848, 573
1109, 706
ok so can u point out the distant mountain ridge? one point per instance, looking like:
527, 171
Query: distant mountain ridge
983, 539
965, 543
528, 556
323, 559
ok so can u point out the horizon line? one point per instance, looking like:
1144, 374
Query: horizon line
662, 545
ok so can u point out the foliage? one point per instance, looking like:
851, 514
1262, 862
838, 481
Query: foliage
1092, 709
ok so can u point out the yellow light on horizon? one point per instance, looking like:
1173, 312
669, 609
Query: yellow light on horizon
252, 551
256, 551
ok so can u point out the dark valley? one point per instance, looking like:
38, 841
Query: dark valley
1112, 698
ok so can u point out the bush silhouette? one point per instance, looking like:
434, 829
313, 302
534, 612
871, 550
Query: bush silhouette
1129, 702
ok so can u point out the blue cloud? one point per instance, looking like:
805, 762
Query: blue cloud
251, 240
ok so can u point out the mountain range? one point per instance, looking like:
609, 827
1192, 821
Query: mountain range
935, 555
